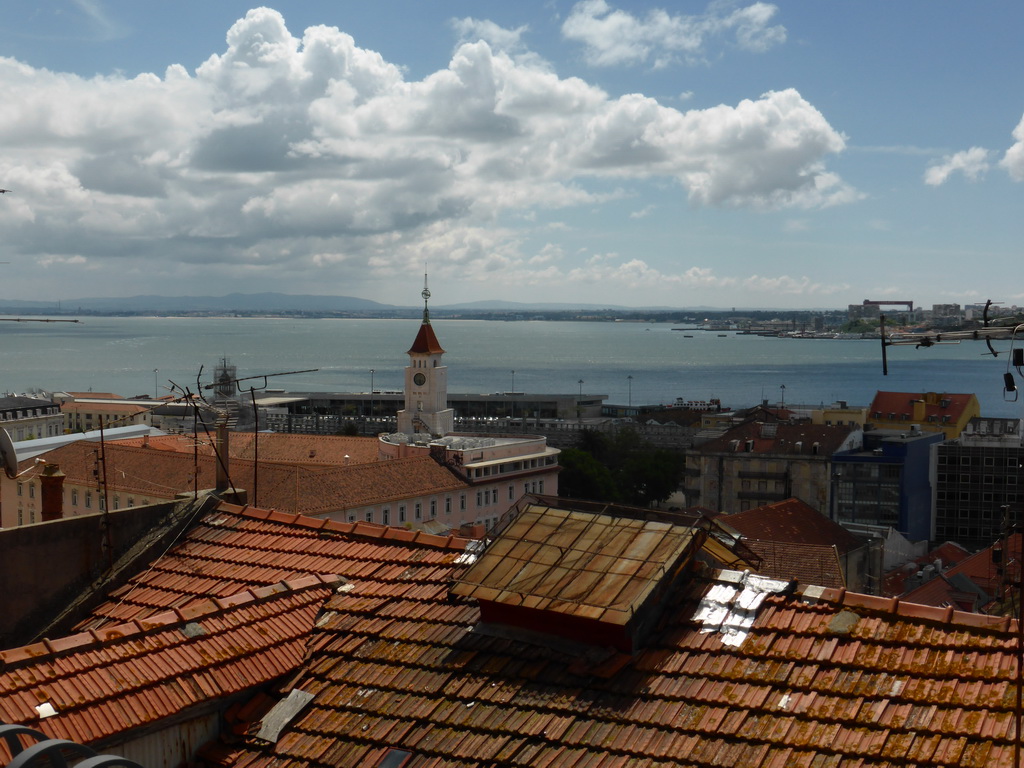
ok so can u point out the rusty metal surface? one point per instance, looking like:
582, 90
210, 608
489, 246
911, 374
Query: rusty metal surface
576, 563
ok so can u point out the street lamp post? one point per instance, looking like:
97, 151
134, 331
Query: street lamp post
156, 387
371, 393
579, 403
782, 388
512, 395
629, 382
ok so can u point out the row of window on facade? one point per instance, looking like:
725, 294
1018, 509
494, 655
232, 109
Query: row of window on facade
511, 466
485, 497
1010, 462
26, 414
29, 489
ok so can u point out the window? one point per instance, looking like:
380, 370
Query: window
447, 505
479, 498
31, 490
511, 493
385, 516
88, 499
369, 516
401, 513
19, 489
418, 510
462, 502
74, 497
433, 508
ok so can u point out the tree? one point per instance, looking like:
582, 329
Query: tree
623, 469
584, 477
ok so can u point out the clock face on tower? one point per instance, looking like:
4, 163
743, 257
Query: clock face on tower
419, 379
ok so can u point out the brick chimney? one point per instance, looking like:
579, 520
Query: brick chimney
51, 481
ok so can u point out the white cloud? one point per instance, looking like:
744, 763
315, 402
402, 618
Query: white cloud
1013, 160
972, 163
615, 37
314, 155
472, 30
803, 286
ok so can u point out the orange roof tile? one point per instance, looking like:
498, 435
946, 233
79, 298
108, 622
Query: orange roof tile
823, 677
805, 676
298, 489
106, 682
331, 450
121, 406
982, 578
236, 548
781, 439
934, 404
791, 520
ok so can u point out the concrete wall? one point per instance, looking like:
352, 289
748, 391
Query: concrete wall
47, 566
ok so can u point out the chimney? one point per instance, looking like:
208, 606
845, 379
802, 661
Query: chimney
51, 481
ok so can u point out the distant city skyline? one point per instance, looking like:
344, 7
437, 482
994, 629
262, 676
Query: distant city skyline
719, 154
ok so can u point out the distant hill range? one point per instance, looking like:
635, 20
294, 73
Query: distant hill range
288, 303
284, 302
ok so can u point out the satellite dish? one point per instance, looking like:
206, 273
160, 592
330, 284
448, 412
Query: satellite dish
7, 455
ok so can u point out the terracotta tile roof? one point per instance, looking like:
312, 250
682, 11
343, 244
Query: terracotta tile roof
900, 403
948, 553
98, 684
95, 395
823, 678
276, 447
780, 439
819, 677
807, 563
121, 406
980, 579
791, 521
426, 342
238, 548
299, 489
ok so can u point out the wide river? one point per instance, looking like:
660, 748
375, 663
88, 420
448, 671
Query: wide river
629, 362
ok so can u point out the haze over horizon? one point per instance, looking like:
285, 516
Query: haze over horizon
635, 154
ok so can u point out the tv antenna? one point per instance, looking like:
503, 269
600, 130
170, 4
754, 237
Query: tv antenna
226, 414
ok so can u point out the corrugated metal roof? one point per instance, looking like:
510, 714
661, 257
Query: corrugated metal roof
576, 563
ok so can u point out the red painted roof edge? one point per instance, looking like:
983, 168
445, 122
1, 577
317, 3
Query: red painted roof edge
893, 605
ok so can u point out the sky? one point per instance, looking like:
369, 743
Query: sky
723, 154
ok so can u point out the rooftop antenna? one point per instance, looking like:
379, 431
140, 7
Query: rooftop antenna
425, 293
222, 407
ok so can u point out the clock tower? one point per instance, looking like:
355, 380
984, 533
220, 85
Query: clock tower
426, 383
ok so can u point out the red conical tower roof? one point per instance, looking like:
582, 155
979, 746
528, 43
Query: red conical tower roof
426, 342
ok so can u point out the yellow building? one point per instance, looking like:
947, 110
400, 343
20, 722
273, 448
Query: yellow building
930, 411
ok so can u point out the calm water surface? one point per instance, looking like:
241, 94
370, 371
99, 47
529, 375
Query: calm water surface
120, 354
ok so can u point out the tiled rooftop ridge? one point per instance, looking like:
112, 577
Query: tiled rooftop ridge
371, 530
235, 548
95, 684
